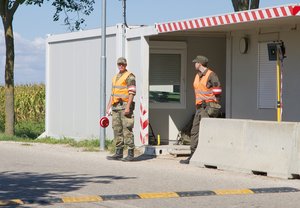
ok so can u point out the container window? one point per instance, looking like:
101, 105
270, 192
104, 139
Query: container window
167, 74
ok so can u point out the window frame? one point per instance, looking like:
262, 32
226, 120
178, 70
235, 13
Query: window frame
171, 47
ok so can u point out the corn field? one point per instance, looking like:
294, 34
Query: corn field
29, 103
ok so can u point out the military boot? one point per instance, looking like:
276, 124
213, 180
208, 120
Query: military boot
117, 156
187, 161
130, 156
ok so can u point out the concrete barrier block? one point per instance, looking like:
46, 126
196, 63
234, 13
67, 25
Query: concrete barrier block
270, 148
220, 144
250, 146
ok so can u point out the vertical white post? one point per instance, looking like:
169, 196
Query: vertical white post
103, 74
120, 40
47, 88
228, 84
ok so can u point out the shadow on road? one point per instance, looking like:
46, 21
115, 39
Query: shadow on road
30, 185
144, 157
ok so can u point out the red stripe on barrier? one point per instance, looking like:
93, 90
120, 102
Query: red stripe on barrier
240, 17
283, 11
203, 23
180, 26
254, 15
295, 10
145, 124
268, 13
215, 20
165, 28
175, 26
197, 24
276, 12
144, 121
191, 26
208, 21
159, 28
185, 24
221, 20
247, 16
227, 19
261, 14
170, 27
141, 108
233, 18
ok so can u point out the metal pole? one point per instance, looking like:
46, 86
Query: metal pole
278, 77
124, 26
103, 74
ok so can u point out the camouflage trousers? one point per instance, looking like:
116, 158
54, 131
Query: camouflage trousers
200, 113
122, 126
211, 110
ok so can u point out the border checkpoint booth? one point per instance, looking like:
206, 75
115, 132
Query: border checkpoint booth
161, 58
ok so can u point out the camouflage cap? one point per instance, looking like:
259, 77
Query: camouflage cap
122, 60
201, 59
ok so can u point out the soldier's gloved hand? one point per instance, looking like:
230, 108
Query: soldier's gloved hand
108, 112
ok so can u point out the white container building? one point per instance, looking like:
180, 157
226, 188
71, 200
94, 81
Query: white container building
161, 58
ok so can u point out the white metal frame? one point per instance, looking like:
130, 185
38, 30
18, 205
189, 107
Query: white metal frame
171, 47
262, 103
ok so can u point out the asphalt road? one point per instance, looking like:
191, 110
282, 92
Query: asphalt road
40, 172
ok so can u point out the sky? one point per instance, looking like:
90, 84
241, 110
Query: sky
32, 24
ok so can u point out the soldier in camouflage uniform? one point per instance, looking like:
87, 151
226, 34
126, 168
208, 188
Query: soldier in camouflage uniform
122, 106
207, 97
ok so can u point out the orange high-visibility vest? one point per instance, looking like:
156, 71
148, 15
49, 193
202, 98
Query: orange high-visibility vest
202, 93
119, 88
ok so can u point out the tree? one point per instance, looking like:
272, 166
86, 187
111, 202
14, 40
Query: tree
7, 11
241, 5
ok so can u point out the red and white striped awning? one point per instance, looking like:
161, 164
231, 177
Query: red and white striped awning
231, 18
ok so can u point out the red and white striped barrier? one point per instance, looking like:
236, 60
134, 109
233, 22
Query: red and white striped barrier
232, 18
144, 123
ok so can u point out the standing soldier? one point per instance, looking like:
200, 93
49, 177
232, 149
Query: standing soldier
122, 106
207, 89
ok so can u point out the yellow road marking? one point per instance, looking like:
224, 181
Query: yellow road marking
13, 201
18, 201
99, 198
158, 195
81, 199
233, 192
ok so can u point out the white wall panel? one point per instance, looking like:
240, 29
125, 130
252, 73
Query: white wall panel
74, 85
133, 55
245, 76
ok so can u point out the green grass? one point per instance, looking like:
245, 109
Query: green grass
25, 131
29, 131
29, 117
92, 145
